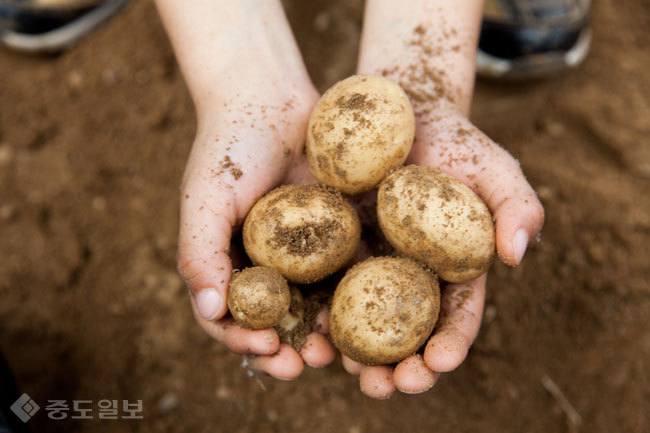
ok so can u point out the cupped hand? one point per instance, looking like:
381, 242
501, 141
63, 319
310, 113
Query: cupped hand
246, 146
451, 143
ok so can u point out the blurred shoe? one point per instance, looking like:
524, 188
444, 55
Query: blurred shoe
51, 25
532, 38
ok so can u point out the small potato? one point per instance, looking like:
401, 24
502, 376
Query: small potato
306, 232
259, 297
432, 217
361, 128
383, 310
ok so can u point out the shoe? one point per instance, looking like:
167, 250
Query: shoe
523, 39
51, 25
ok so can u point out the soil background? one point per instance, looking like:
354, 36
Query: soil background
92, 147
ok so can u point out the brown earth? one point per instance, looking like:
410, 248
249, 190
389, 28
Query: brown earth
92, 146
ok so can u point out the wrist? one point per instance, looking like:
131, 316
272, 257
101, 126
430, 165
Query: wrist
256, 96
234, 47
428, 48
268, 124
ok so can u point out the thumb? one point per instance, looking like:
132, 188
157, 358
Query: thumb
207, 219
518, 212
464, 152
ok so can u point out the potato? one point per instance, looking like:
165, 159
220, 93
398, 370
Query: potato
259, 297
361, 128
432, 217
306, 232
383, 310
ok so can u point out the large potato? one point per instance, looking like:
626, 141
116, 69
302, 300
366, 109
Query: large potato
434, 218
383, 310
361, 128
306, 232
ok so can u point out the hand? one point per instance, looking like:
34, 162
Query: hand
429, 48
243, 148
452, 144
253, 97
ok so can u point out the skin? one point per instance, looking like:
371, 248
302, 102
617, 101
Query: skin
239, 58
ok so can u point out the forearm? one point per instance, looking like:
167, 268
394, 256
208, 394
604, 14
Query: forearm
229, 49
427, 46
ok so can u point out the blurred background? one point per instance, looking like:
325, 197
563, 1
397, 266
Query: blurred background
92, 146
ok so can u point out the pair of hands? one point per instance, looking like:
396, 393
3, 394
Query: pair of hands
253, 142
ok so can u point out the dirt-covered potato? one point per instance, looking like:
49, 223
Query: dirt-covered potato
383, 310
306, 232
258, 297
361, 128
434, 218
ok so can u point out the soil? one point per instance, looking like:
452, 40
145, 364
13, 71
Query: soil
92, 147
310, 237
303, 311
306, 239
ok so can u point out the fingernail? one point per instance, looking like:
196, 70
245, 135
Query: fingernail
520, 242
208, 303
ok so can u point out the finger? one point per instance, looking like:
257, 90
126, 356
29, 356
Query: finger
461, 150
352, 367
207, 218
460, 319
377, 382
237, 339
412, 376
322, 321
518, 212
317, 351
284, 365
